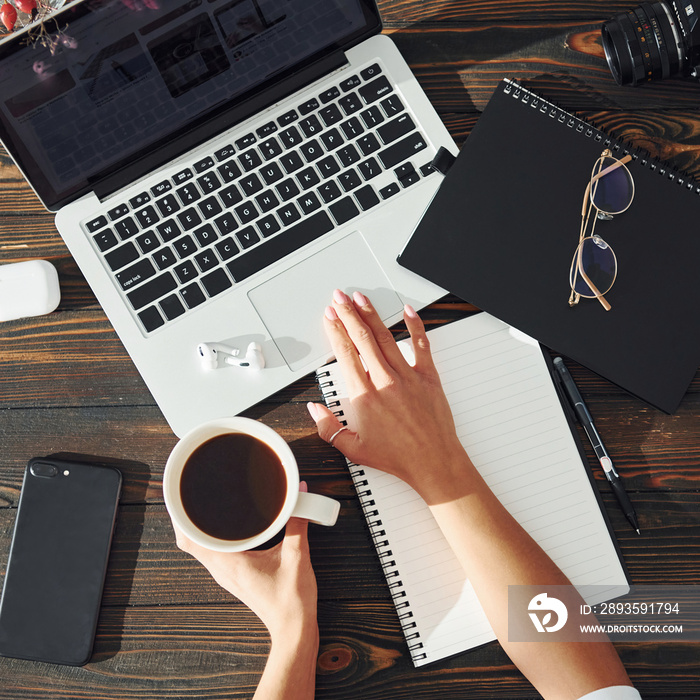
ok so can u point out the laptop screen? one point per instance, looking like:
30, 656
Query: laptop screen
106, 81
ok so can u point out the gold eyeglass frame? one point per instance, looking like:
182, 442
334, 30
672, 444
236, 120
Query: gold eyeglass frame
586, 208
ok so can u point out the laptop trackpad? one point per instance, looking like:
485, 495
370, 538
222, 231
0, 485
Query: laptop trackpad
291, 305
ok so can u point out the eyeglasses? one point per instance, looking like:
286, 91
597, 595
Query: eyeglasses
610, 191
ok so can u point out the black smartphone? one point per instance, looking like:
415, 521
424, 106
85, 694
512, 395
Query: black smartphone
58, 558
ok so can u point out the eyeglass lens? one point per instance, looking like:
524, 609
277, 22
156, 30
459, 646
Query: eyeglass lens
612, 193
598, 261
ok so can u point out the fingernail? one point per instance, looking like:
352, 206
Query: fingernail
331, 315
410, 311
340, 297
313, 411
360, 299
303, 486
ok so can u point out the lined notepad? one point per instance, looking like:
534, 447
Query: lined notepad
509, 419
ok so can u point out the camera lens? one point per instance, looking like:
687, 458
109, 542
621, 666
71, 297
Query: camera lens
643, 44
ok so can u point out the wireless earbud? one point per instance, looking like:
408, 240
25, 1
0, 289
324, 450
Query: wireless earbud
210, 353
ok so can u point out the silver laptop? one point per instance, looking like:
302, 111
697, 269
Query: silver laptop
217, 168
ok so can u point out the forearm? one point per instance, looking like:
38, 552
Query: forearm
495, 553
290, 673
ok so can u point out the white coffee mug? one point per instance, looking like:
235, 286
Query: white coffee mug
316, 508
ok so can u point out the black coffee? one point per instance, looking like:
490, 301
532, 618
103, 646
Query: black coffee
233, 486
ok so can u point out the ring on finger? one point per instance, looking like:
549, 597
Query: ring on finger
335, 435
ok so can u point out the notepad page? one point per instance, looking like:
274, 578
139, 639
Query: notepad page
510, 421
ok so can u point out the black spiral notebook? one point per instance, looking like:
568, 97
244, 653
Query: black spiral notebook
510, 420
503, 227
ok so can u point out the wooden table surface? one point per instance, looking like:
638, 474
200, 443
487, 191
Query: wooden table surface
166, 630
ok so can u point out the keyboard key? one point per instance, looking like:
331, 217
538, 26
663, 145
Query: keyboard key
389, 190
332, 139
250, 184
396, 128
366, 197
185, 271
271, 173
126, 228
96, 224
309, 202
122, 256
350, 83
105, 240
268, 225
329, 95
184, 246
209, 207
279, 246
164, 258
270, 148
216, 282
201, 165
351, 103
371, 72
343, 210
182, 177
288, 214
369, 168
230, 196
247, 237
368, 144
151, 319
189, 193
308, 178
267, 201
135, 274
308, 107
328, 166
209, 183
229, 171
139, 200
402, 150
167, 205
147, 217
330, 115
250, 160
378, 88
310, 126
226, 223
427, 169
288, 118
150, 291
226, 248
352, 128
329, 191
172, 307
161, 188
372, 117
392, 105
224, 153
287, 189
245, 141
206, 260
148, 241
192, 295
205, 235
311, 151
246, 212
291, 137
118, 212
349, 180
189, 219
410, 179
168, 230
266, 129
404, 170
348, 155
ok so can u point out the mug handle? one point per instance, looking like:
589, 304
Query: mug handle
316, 508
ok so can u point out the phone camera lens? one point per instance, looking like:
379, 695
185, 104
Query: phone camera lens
43, 470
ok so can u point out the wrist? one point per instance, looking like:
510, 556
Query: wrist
448, 477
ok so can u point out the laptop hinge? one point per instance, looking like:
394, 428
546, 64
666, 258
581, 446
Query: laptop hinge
177, 144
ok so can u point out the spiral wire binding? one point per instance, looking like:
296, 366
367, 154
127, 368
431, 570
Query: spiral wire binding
374, 522
615, 144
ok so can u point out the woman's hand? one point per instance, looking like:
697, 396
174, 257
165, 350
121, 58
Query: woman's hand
404, 423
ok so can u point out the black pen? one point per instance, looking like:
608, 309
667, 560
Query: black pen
603, 457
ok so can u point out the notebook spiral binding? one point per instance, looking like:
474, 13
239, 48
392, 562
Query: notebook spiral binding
378, 535
616, 145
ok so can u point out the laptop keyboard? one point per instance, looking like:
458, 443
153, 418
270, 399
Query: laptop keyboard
227, 216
